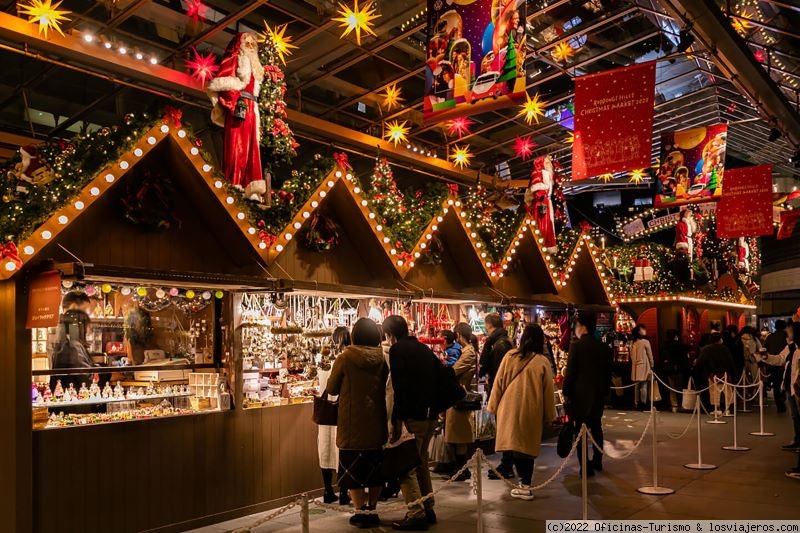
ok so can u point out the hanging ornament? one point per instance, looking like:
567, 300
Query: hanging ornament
190, 294
523, 147
105, 288
358, 19
90, 290
459, 126
125, 291
141, 291
637, 176
45, 13
282, 42
174, 292
160, 294
202, 67
392, 98
563, 52
396, 131
195, 10
532, 109
605, 178
206, 295
67, 283
461, 156
218, 295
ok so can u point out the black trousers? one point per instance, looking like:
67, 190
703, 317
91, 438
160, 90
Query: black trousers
594, 422
524, 464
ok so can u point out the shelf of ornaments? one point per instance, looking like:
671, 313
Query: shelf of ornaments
124, 369
103, 401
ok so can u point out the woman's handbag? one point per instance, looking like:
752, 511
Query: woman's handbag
473, 401
565, 439
326, 412
689, 400
400, 457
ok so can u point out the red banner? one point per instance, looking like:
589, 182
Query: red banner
44, 300
613, 121
788, 222
745, 209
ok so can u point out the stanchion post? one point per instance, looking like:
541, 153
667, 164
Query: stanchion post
744, 408
761, 432
479, 489
654, 489
735, 447
584, 474
699, 465
716, 419
304, 512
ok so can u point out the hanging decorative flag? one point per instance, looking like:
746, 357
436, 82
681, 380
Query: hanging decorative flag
692, 165
475, 57
613, 121
788, 222
745, 209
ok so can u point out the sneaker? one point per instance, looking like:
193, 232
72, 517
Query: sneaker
358, 520
329, 497
411, 524
430, 516
522, 492
791, 446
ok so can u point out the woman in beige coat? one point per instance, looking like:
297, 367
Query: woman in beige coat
522, 399
458, 430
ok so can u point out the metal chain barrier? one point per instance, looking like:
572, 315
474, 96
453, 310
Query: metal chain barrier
679, 391
674, 437
624, 386
629, 452
273, 515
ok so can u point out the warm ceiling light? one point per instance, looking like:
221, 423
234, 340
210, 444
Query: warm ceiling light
358, 19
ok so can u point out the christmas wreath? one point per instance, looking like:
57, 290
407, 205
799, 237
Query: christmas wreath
148, 202
322, 234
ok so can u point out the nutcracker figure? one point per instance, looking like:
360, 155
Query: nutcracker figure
234, 95
538, 199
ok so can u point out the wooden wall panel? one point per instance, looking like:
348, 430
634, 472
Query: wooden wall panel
159, 474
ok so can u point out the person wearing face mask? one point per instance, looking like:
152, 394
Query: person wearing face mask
641, 366
788, 360
587, 383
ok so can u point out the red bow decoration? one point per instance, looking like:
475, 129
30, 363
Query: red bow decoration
342, 160
267, 238
172, 115
9, 251
453, 188
585, 226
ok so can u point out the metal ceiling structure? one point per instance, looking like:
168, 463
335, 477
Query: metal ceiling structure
44, 93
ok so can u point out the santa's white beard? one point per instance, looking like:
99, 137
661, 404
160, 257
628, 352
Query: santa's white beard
255, 64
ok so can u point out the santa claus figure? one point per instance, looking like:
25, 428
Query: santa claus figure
234, 94
30, 170
538, 198
744, 256
684, 231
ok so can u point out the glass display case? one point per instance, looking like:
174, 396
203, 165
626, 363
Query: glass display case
123, 352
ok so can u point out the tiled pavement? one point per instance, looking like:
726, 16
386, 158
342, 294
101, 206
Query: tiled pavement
746, 484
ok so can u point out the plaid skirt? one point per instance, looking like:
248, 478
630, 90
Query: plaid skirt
360, 468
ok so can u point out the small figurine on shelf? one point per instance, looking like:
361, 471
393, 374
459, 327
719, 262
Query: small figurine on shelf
72, 392
67, 396
48, 394
94, 389
151, 390
119, 392
140, 392
34, 392
107, 391
83, 393
59, 392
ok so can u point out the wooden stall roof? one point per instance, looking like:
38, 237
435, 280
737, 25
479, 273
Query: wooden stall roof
586, 281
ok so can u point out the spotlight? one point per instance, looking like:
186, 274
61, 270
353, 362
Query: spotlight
685, 41
774, 134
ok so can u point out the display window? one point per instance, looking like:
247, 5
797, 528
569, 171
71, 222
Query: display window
122, 352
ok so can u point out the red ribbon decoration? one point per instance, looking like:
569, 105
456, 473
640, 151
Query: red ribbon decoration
267, 238
9, 251
172, 115
453, 188
342, 160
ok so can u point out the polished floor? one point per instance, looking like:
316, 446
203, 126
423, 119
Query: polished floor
746, 484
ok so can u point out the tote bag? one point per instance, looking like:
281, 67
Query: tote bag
565, 439
689, 401
325, 412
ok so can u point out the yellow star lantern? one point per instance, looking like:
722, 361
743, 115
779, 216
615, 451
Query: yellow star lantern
605, 178
461, 156
281, 41
570, 138
532, 109
392, 98
358, 19
396, 132
563, 52
637, 176
45, 13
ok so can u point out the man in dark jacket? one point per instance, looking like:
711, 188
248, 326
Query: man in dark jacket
71, 350
775, 343
715, 360
587, 383
413, 368
496, 346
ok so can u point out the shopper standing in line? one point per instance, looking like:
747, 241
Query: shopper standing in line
730, 337
641, 367
414, 373
587, 383
496, 346
452, 348
674, 366
751, 347
523, 400
788, 361
775, 343
458, 430
359, 377
715, 364
326, 435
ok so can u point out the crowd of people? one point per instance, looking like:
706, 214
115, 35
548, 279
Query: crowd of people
390, 387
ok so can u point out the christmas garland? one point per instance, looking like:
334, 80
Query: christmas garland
494, 227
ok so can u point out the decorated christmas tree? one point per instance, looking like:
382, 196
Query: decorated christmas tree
277, 140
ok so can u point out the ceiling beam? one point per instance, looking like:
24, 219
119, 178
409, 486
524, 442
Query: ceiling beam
712, 29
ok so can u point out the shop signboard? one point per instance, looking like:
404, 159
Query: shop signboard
692, 165
613, 121
44, 300
475, 57
745, 208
